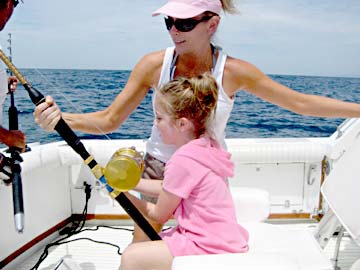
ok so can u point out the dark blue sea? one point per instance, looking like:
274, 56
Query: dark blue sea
91, 90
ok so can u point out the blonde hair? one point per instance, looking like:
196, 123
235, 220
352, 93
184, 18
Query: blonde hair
194, 99
228, 6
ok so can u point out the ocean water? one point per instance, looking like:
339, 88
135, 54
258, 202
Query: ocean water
91, 90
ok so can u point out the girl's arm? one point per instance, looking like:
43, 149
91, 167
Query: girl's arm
150, 187
159, 212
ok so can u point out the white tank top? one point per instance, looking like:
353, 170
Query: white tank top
217, 125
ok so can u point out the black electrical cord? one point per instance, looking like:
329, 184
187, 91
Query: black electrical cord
59, 264
76, 228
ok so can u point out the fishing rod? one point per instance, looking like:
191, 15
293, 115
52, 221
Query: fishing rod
15, 160
74, 142
10, 171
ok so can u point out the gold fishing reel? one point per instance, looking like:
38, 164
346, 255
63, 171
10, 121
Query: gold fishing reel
124, 170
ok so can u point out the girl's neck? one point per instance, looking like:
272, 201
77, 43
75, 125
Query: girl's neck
187, 137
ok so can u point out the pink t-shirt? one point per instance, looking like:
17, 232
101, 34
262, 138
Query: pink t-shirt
206, 221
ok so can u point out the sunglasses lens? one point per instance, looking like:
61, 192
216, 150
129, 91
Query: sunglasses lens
182, 25
169, 22
185, 25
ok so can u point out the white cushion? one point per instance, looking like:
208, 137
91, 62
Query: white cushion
235, 261
251, 204
295, 243
270, 247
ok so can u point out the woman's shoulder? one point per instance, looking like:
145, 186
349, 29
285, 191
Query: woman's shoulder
237, 65
153, 58
149, 66
239, 74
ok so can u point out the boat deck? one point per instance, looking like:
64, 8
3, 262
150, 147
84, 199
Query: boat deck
85, 254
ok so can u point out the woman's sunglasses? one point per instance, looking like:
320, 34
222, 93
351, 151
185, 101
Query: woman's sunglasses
184, 25
15, 3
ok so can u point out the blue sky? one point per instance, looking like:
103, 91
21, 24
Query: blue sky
279, 36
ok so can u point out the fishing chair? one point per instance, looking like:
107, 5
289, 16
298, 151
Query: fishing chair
278, 247
270, 246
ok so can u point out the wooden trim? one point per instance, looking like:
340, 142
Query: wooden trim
290, 215
102, 216
322, 180
127, 217
33, 242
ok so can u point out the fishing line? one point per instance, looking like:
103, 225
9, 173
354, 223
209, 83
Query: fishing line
55, 87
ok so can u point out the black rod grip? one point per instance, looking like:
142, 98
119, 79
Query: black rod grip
13, 115
18, 202
139, 219
13, 119
61, 127
35, 95
17, 190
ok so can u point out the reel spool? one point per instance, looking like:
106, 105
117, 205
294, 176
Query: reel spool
123, 171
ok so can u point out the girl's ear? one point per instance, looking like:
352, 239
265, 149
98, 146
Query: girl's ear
184, 124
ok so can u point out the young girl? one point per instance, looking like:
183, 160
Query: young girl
195, 188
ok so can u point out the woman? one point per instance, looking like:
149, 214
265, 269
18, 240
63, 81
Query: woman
195, 188
191, 25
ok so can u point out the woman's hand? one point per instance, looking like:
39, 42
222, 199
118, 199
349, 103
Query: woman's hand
47, 114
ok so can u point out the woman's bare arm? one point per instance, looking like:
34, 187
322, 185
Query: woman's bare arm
241, 75
144, 76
